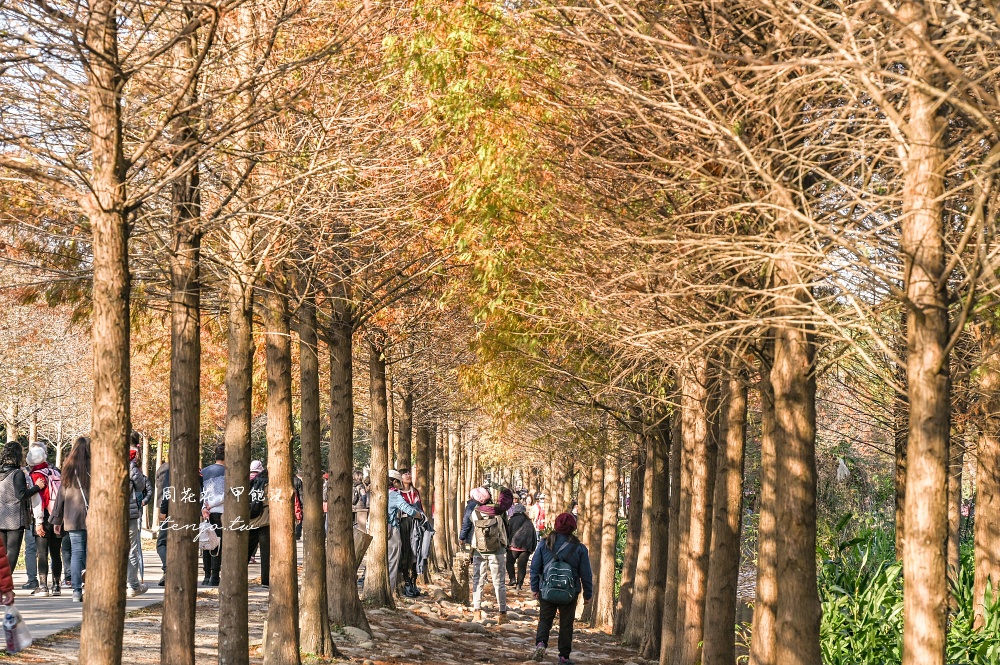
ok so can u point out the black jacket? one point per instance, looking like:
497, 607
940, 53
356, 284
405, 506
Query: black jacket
522, 533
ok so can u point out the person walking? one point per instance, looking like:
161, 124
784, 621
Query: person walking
163, 503
523, 541
540, 515
139, 497
69, 515
16, 492
213, 483
484, 530
260, 521
48, 545
359, 502
398, 506
560, 546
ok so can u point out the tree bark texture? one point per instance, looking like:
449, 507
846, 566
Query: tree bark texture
441, 555
456, 499
376, 590
646, 626
925, 591
671, 599
104, 602
281, 641
765, 612
234, 640
421, 456
724, 560
314, 626
605, 606
345, 605
628, 592
404, 452
181, 585
987, 526
595, 533
699, 470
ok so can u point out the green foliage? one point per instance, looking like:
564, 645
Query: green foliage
861, 590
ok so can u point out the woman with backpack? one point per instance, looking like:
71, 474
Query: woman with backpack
484, 527
69, 515
15, 497
523, 541
48, 545
560, 571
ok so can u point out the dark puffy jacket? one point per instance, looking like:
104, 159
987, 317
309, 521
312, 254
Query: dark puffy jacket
522, 533
467, 532
142, 492
575, 554
6, 579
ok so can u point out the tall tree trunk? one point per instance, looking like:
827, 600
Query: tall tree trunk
763, 644
724, 561
181, 586
701, 450
604, 617
595, 515
10, 421
390, 417
901, 423
421, 457
646, 627
671, 597
404, 453
629, 592
342, 581
441, 556
234, 640
376, 590
925, 597
456, 499
281, 641
956, 463
104, 603
987, 525
315, 621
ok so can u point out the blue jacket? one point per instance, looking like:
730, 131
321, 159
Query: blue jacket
465, 535
576, 556
398, 503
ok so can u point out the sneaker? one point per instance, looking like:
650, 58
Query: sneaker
564, 660
253, 559
207, 581
68, 582
29, 585
163, 581
502, 619
40, 590
134, 591
77, 596
56, 589
539, 652
214, 581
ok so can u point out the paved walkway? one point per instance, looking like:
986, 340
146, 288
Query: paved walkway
48, 615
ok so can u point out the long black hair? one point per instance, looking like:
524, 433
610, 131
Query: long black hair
77, 465
550, 540
13, 454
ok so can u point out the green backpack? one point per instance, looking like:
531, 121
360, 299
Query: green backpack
558, 580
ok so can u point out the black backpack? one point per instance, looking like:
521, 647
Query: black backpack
257, 496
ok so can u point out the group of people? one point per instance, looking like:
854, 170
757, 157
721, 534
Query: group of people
45, 510
503, 535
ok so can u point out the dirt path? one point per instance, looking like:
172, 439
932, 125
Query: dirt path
420, 631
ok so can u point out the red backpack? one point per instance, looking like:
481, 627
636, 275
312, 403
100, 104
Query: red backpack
54, 480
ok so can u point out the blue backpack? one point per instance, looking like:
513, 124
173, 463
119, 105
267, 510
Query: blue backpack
558, 580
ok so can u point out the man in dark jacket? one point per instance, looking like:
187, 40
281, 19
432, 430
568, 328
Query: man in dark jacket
562, 543
139, 496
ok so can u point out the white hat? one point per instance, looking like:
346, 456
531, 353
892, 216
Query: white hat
36, 455
256, 466
395, 475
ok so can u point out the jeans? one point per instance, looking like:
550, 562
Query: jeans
212, 559
30, 554
494, 563
67, 554
12, 542
135, 571
546, 615
262, 537
48, 547
161, 545
395, 549
78, 563
520, 559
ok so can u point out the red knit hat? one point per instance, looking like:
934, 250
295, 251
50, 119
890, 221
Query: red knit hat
565, 523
